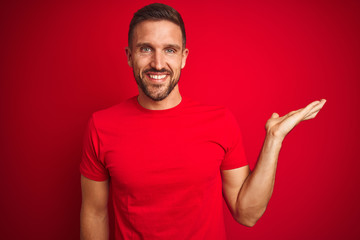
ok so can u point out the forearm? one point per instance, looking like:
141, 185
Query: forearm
256, 190
258, 187
93, 226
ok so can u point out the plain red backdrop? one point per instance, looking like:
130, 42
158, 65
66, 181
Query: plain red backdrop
63, 60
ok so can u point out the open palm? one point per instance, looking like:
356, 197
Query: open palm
280, 126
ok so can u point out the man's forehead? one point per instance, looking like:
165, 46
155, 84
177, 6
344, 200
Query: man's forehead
157, 31
157, 24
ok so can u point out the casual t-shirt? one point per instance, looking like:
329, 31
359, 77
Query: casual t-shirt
164, 167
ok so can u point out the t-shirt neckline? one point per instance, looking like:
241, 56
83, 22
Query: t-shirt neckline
159, 112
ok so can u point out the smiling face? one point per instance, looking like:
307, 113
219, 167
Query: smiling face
157, 56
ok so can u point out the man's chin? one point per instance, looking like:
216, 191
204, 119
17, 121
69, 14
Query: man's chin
156, 91
157, 97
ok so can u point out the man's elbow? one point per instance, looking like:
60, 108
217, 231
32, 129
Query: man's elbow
246, 222
249, 217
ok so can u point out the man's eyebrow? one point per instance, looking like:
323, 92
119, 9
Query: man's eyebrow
145, 44
177, 47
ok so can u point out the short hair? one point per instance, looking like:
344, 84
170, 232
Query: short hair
157, 12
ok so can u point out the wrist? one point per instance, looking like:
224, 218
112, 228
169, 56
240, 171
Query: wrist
275, 135
273, 140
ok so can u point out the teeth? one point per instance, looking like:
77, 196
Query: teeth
157, 76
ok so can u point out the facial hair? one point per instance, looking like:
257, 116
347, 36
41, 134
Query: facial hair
152, 90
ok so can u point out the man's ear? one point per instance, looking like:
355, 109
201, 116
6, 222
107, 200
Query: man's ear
185, 53
128, 56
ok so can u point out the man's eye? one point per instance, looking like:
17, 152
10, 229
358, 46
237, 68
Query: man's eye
170, 50
145, 49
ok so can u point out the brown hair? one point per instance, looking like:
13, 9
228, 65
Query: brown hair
157, 12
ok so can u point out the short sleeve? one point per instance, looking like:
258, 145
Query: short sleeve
234, 151
92, 166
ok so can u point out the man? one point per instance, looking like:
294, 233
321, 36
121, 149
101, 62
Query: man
169, 159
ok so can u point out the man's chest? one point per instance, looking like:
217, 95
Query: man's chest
154, 154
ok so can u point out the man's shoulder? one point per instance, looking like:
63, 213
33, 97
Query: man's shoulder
200, 106
120, 110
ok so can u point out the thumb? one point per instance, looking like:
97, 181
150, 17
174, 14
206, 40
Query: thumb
275, 115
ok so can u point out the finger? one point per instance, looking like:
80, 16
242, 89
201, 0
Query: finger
313, 115
316, 108
313, 107
294, 112
309, 112
310, 106
302, 113
304, 110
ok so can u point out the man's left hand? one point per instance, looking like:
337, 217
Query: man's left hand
279, 127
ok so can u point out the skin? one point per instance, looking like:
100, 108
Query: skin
247, 194
157, 46
94, 212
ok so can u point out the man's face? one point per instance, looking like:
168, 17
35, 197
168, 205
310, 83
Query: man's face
157, 56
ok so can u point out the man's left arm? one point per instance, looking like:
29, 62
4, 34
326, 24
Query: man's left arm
247, 194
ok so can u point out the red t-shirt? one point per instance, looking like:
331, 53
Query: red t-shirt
164, 167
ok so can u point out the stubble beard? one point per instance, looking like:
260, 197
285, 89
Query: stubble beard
153, 91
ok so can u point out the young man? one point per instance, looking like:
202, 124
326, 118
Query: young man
169, 159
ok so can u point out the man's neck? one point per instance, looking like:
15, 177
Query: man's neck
172, 100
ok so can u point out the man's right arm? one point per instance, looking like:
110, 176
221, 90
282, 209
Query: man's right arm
94, 211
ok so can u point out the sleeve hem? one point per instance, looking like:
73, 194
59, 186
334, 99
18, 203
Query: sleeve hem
93, 177
229, 167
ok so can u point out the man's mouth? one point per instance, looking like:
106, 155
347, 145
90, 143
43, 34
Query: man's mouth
157, 76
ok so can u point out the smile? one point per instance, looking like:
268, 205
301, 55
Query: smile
157, 76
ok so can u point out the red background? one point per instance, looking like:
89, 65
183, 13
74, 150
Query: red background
63, 60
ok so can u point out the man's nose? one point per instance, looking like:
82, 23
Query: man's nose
158, 60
